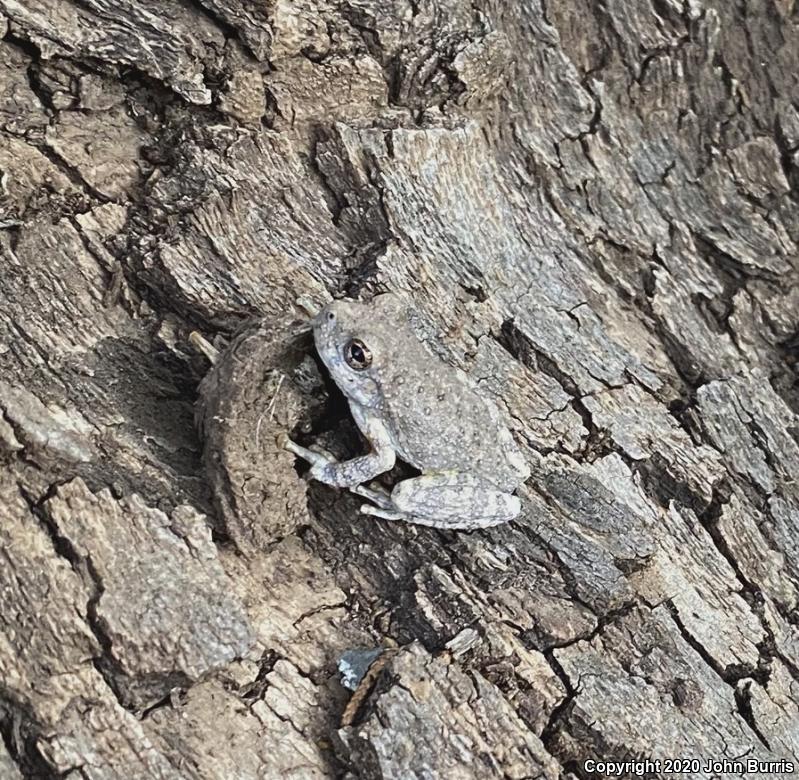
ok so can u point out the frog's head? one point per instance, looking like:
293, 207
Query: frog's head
351, 338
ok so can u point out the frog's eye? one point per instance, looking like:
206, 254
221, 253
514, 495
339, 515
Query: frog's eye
357, 355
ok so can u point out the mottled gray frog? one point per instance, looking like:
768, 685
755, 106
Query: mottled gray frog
409, 404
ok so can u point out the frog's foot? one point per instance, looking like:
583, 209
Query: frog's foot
449, 523
345, 473
377, 495
316, 456
327, 454
385, 514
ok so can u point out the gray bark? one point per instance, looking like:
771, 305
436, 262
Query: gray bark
594, 209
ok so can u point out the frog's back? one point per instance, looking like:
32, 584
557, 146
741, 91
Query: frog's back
439, 422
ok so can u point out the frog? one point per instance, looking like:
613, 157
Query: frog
409, 403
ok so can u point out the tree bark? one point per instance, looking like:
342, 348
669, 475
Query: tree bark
592, 206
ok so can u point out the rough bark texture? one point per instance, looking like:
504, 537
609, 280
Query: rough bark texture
593, 206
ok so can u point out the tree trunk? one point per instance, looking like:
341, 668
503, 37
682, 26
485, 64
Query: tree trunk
592, 206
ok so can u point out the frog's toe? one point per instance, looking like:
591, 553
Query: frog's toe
377, 495
319, 450
385, 514
285, 443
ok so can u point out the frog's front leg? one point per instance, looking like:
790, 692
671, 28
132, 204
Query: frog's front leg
448, 501
349, 473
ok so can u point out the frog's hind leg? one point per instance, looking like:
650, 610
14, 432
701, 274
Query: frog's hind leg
449, 501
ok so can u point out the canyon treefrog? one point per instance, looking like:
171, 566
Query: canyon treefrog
409, 404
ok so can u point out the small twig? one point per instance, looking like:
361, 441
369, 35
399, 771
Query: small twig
270, 409
364, 687
200, 343
273, 402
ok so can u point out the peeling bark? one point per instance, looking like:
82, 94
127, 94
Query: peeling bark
593, 207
